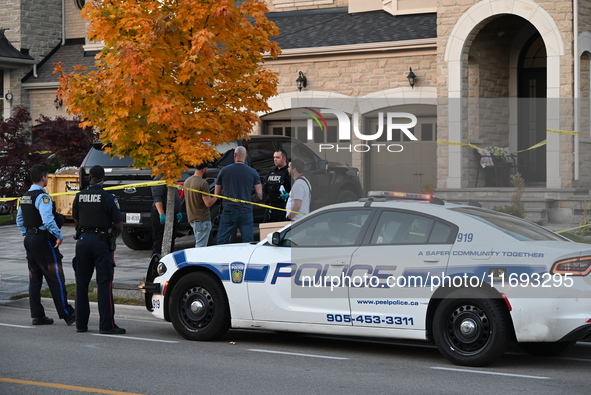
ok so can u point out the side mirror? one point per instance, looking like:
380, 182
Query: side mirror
276, 238
323, 164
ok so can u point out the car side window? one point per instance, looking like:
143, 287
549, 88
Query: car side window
261, 154
330, 229
298, 150
397, 228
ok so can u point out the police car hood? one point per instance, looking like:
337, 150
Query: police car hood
226, 253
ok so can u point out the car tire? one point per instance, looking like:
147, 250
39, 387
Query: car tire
541, 349
471, 329
199, 308
346, 196
141, 240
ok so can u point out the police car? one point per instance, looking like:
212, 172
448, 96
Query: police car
469, 279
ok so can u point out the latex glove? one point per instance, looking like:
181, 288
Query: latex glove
179, 217
284, 196
162, 219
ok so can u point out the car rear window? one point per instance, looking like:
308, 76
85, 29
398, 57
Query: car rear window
513, 226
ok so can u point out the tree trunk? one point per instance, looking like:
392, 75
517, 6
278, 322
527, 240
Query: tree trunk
170, 218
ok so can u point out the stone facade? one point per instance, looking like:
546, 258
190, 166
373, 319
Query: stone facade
472, 70
35, 27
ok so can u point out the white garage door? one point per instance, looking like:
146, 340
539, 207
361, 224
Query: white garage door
409, 170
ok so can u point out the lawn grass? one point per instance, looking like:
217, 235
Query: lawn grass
7, 219
576, 238
92, 296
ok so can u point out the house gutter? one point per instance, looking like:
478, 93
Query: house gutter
425, 43
577, 88
63, 22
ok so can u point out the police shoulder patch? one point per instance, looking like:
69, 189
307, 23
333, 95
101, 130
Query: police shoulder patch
46, 199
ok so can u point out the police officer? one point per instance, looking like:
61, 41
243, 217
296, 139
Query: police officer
98, 222
36, 219
277, 187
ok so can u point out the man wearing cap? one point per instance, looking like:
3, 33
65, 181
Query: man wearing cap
36, 219
98, 222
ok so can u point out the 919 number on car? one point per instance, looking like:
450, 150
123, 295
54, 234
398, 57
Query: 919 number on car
370, 319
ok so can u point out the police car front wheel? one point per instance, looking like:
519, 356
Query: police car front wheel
199, 307
471, 329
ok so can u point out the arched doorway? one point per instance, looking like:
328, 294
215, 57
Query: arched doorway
532, 77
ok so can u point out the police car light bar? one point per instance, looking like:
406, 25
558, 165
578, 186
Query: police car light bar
400, 195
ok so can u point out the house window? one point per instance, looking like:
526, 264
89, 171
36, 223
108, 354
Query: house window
80, 3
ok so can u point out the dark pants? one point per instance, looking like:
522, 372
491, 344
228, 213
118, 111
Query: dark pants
92, 252
158, 233
232, 219
45, 261
274, 215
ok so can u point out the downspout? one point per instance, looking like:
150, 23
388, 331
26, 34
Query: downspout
576, 90
64, 22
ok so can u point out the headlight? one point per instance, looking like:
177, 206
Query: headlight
574, 266
161, 268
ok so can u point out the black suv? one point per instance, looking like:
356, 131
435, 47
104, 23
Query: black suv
331, 182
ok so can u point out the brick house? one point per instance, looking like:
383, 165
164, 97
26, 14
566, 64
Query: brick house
505, 73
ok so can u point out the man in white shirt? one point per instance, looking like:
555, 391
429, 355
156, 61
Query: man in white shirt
298, 203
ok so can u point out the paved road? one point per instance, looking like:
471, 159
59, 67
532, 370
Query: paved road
14, 275
153, 359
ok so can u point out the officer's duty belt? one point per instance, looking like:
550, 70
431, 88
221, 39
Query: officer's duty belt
37, 231
93, 230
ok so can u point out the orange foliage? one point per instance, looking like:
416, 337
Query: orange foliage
175, 78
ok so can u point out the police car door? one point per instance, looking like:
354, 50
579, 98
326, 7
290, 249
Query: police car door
304, 283
391, 272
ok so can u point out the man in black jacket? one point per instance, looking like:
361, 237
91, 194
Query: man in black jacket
98, 222
277, 187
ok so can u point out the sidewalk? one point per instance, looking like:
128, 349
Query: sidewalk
14, 275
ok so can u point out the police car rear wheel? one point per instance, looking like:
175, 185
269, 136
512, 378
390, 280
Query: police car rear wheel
471, 330
199, 307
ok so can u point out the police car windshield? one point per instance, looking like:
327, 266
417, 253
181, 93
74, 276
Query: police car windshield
513, 226
100, 157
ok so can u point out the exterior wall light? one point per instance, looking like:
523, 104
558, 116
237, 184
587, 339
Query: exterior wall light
411, 78
302, 81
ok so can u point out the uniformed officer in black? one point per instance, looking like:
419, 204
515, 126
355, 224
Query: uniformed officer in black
98, 222
36, 219
276, 196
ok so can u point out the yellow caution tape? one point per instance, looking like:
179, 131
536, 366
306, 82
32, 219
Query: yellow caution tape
567, 132
568, 230
237, 200
537, 145
161, 182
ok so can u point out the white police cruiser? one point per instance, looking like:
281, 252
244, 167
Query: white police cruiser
469, 279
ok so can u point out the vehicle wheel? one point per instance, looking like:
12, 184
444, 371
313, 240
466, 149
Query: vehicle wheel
541, 349
199, 307
471, 330
346, 196
137, 240
4, 209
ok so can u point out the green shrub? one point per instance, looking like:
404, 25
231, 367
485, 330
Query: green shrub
585, 222
516, 207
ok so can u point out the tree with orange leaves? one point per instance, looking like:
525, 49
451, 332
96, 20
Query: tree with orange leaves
174, 79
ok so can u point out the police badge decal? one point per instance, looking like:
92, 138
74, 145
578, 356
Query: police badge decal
237, 272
